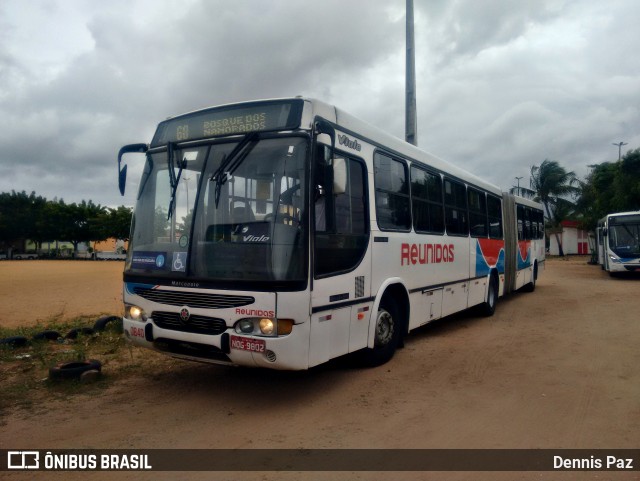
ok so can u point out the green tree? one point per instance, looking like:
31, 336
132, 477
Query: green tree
18, 218
52, 220
554, 187
598, 193
30, 217
629, 181
610, 187
116, 223
83, 223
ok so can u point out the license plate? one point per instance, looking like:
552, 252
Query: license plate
244, 344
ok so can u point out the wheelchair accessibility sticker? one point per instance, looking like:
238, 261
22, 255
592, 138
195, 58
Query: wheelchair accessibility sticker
179, 263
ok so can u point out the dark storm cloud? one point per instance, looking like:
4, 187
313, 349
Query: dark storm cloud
513, 83
139, 72
502, 85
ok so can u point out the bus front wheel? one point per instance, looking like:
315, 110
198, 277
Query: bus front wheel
386, 336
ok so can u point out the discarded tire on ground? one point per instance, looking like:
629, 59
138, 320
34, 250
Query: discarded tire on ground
74, 369
73, 333
101, 323
14, 341
49, 335
90, 376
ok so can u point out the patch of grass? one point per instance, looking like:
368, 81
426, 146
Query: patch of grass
25, 370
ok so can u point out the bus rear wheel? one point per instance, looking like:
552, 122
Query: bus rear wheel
532, 285
489, 307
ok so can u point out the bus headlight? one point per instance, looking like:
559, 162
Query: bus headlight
246, 326
614, 258
135, 313
264, 326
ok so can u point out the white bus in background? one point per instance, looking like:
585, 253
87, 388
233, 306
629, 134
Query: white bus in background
110, 256
285, 233
618, 238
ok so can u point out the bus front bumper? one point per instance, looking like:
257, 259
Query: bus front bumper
288, 352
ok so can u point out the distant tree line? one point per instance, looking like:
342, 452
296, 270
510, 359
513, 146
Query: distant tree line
32, 217
609, 187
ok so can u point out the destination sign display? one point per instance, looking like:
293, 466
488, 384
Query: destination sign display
625, 219
230, 120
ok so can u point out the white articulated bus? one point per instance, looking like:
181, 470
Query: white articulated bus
618, 237
285, 233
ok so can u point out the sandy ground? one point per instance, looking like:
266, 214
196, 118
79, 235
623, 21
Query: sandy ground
557, 368
43, 290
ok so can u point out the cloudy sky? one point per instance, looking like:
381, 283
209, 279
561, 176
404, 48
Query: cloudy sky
501, 84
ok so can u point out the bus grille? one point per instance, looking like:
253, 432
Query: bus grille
195, 324
193, 299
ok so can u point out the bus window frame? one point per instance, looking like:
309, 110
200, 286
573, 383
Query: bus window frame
456, 207
367, 218
407, 196
429, 202
482, 195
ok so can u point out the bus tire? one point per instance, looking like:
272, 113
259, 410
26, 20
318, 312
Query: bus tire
532, 285
388, 331
489, 306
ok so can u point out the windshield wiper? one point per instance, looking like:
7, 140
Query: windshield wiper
231, 162
174, 179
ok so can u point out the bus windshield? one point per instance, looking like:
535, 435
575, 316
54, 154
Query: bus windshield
624, 239
237, 212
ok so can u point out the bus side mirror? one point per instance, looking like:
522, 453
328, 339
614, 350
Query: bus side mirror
339, 176
604, 231
122, 179
324, 127
122, 171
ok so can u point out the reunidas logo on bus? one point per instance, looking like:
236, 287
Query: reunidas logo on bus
351, 143
255, 312
411, 254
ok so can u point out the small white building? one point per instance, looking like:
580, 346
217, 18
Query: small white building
573, 239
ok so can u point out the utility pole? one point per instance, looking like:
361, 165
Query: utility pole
411, 121
518, 179
620, 144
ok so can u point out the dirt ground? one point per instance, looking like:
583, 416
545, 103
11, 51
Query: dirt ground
39, 291
556, 368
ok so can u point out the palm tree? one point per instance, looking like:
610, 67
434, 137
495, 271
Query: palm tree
550, 185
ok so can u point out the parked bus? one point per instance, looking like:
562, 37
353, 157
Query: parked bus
618, 238
285, 233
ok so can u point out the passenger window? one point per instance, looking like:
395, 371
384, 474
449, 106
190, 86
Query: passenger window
520, 216
494, 210
392, 193
426, 200
477, 212
455, 201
